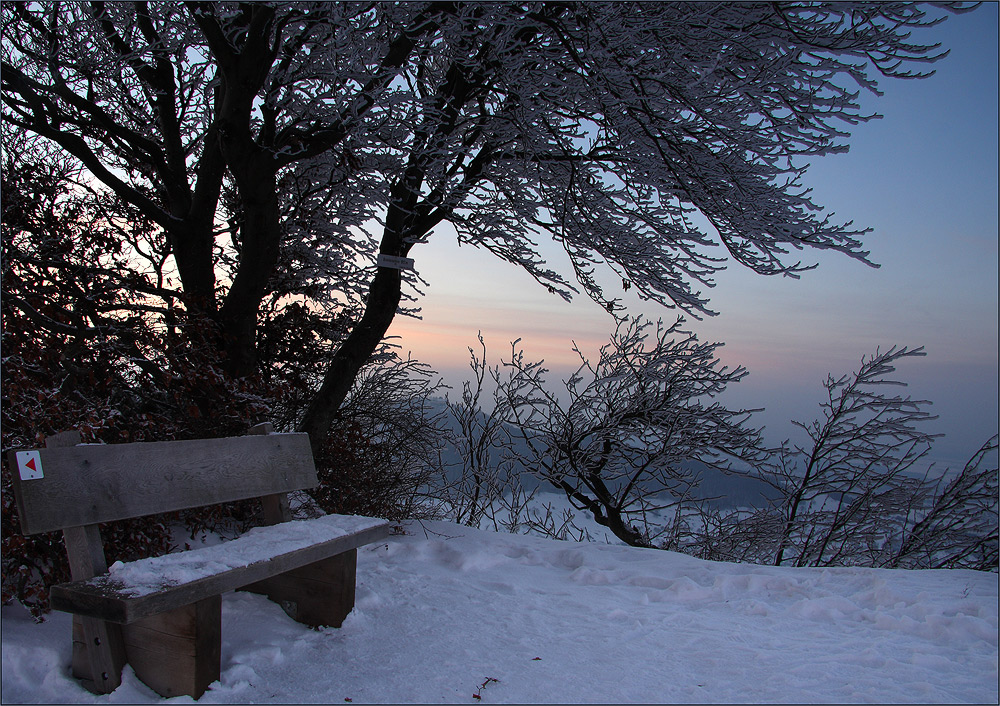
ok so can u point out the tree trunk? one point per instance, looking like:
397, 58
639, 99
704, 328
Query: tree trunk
260, 239
383, 301
400, 232
192, 247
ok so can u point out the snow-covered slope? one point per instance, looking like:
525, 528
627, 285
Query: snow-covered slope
444, 609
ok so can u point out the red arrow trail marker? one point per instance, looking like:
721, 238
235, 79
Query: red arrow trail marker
29, 465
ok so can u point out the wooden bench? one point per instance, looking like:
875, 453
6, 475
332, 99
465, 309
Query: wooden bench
162, 615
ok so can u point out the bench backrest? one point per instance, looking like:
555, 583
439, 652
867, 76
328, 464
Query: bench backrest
71, 486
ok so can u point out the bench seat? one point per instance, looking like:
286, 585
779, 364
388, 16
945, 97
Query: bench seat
139, 589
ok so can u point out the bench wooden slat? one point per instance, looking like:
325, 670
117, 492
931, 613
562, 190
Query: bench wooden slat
89, 484
106, 598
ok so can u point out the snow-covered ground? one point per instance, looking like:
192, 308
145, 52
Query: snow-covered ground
447, 612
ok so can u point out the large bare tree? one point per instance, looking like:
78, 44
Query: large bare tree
276, 148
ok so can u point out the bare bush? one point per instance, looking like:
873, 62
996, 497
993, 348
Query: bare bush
957, 525
619, 443
383, 448
623, 438
840, 493
476, 490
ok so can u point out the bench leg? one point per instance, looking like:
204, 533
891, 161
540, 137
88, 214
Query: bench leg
97, 649
322, 593
178, 652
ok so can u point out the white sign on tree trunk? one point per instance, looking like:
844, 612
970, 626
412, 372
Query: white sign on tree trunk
396, 263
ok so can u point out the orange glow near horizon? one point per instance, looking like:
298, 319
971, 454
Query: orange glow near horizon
444, 343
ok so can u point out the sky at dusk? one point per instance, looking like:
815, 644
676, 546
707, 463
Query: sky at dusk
924, 177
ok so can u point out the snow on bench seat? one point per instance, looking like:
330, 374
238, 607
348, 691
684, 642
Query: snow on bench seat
142, 588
